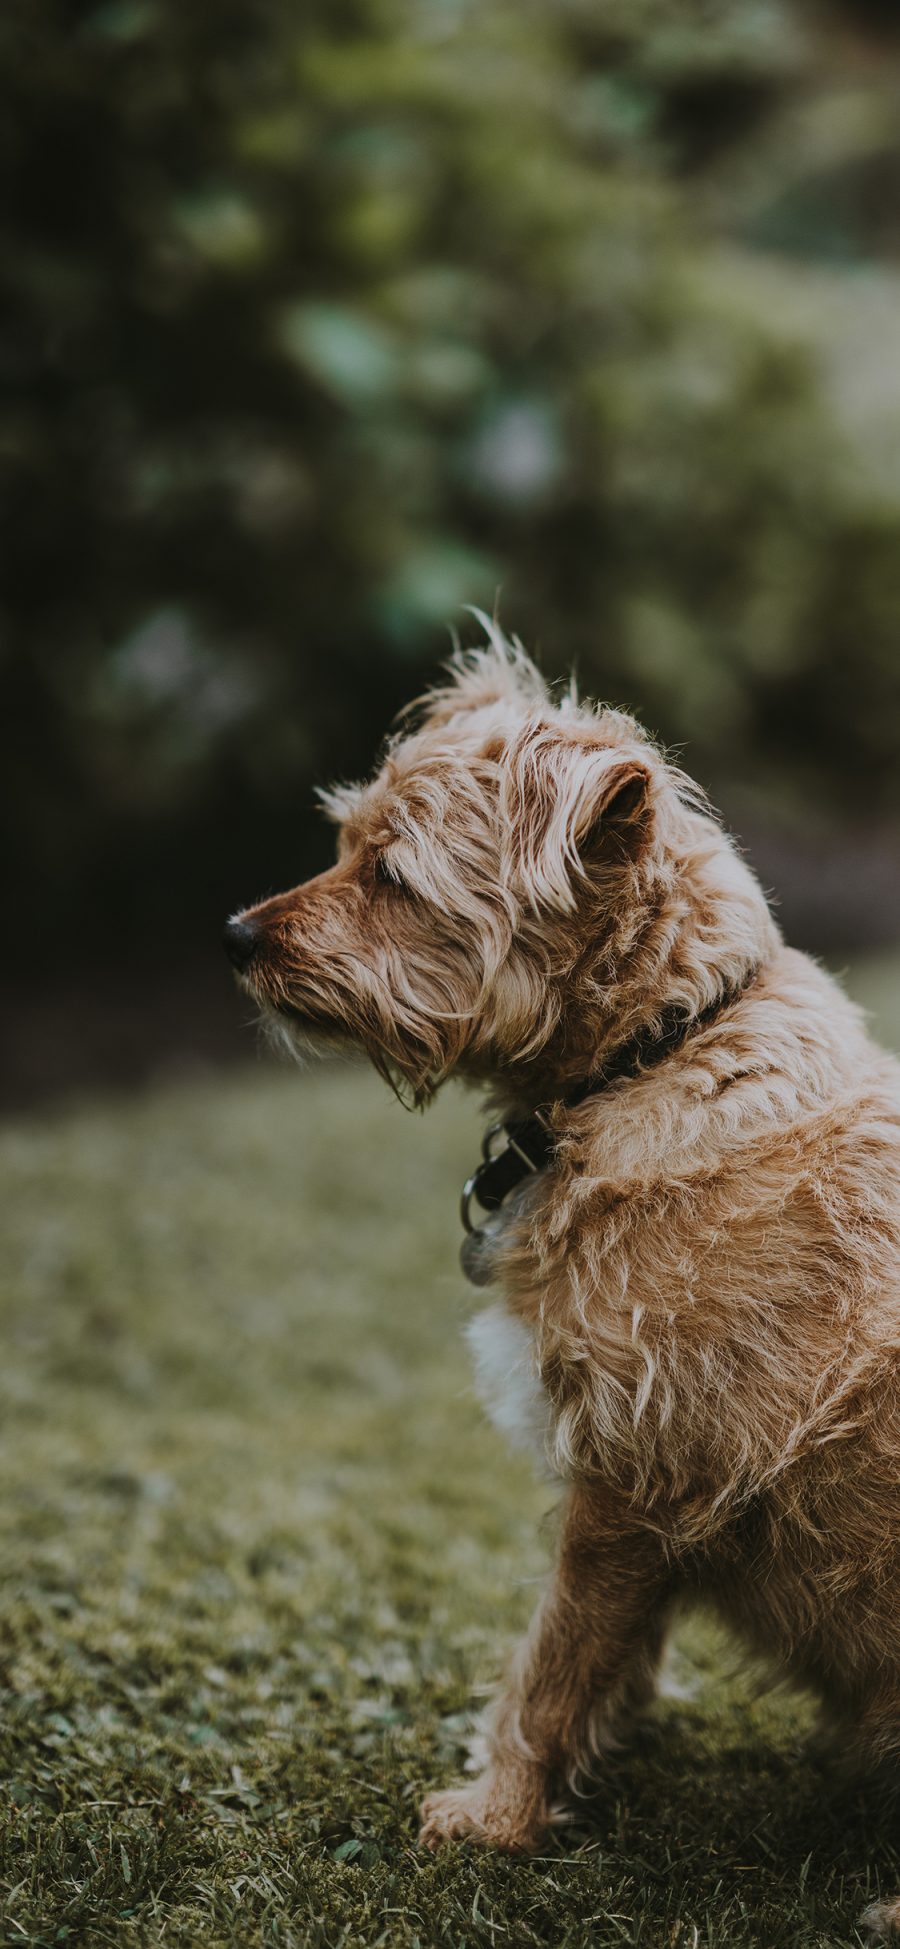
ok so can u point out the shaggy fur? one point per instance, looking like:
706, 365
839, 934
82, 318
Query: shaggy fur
708, 1278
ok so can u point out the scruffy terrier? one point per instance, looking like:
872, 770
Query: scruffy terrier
695, 1221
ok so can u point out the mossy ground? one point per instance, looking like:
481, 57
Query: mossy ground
259, 1551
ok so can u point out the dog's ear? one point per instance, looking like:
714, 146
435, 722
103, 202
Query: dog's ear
573, 803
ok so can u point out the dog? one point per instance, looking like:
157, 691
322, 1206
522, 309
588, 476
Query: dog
694, 1221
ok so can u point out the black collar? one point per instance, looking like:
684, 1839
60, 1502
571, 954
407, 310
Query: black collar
531, 1142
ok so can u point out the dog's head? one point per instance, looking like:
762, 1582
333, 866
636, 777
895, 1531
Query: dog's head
492, 880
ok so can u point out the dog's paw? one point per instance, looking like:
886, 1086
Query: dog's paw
882, 1922
473, 1814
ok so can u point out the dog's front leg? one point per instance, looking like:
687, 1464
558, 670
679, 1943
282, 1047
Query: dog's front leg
590, 1652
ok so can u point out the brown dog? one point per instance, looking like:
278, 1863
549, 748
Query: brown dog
696, 1225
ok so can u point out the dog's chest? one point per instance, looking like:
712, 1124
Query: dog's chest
507, 1378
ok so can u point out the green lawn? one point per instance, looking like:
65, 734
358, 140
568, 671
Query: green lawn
259, 1552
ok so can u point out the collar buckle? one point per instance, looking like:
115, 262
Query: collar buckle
531, 1144
527, 1150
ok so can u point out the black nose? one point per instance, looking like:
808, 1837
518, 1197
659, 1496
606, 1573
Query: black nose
239, 941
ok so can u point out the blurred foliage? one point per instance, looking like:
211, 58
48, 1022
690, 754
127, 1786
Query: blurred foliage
321, 321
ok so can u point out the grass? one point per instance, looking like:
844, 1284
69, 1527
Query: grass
259, 1550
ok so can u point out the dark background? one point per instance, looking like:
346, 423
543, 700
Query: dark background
320, 321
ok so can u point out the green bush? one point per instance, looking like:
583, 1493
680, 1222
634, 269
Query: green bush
322, 321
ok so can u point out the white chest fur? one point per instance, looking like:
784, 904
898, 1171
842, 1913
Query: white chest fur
507, 1378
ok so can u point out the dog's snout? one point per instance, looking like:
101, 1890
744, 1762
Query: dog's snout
240, 941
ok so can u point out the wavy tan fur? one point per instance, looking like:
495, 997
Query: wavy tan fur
710, 1273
